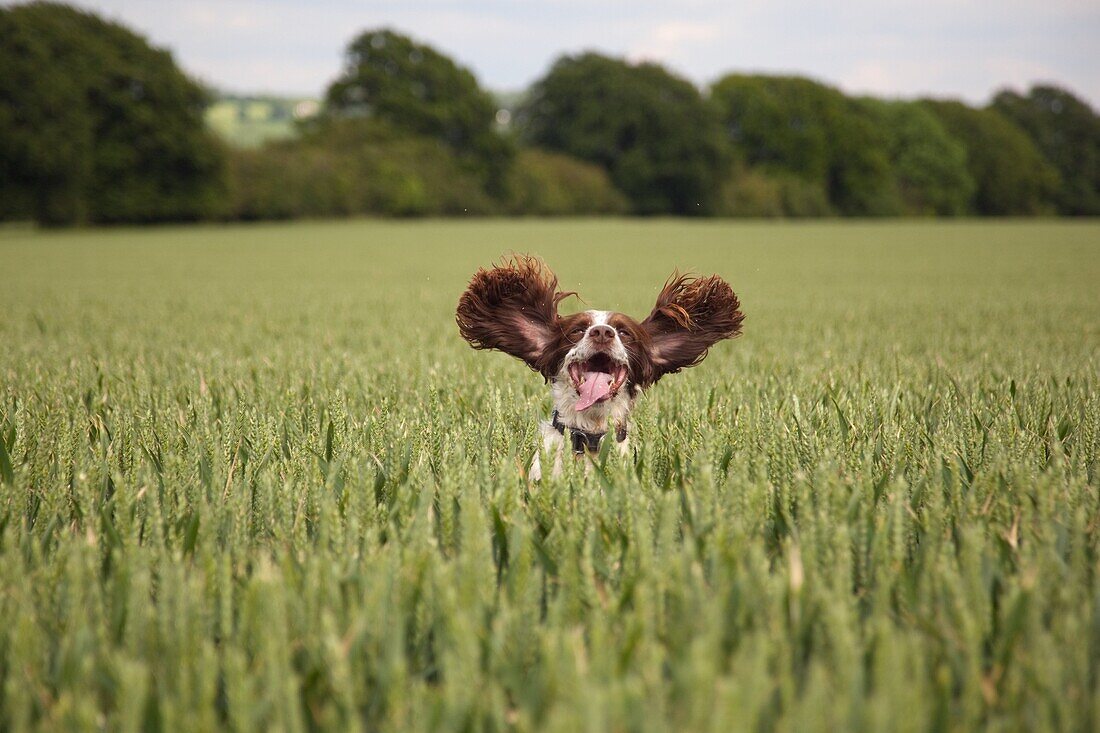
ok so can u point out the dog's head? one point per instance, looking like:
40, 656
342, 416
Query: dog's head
514, 308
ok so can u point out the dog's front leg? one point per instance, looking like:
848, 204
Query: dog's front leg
552, 442
623, 446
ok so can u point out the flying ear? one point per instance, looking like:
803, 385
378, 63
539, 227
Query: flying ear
513, 308
691, 315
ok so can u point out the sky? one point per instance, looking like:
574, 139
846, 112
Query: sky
894, 48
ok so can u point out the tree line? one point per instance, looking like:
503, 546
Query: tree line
96, 126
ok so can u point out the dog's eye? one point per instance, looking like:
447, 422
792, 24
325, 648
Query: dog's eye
624, 334
577, 333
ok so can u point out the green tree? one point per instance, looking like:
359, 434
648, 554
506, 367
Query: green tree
652, 131
391, 78
758, 192
96, 125
797, 125
551, 184
1010, 174
929, 165
1067, 132
346, 167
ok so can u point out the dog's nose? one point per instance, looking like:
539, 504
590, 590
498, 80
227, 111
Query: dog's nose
601, 333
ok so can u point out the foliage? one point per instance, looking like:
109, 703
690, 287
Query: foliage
650, 130
1067, 132
929, 166
796, 125
251, 478
1011, 175
352, 167
96, 125
544, 183
391, 78
754, 192
349, 167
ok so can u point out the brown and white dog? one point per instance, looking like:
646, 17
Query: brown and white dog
597, 362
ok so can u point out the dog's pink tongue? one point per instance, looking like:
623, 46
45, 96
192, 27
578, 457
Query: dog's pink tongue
596, 388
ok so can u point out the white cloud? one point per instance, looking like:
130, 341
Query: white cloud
667, 40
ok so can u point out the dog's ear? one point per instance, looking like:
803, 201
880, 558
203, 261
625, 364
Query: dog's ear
691, 315
513, 308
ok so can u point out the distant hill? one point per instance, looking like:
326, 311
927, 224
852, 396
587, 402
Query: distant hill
249, 122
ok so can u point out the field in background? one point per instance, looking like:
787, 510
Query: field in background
249, 122
252, 478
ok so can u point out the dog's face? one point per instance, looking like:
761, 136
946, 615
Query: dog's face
602, 353
599, 357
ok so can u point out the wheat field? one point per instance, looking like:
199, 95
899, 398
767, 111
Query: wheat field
251, 478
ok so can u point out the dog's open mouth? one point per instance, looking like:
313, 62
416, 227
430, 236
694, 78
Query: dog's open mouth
596, 380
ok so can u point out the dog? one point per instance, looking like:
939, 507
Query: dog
596, 362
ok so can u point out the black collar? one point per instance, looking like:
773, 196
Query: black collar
584, 440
